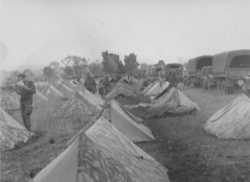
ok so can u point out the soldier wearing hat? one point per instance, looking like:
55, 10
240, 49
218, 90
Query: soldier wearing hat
26, 89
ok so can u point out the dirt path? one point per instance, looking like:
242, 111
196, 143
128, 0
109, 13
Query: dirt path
192, 155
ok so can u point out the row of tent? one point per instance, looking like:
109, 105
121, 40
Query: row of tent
230, 122
110, 155
163, 99
106, 149
107, 152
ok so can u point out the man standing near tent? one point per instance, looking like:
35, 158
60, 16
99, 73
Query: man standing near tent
90, 83
26, 89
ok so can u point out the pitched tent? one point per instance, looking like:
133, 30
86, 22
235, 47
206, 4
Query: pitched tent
92, 99
9, 101
145, 90
157, 88
42, 109
71, 115
63, 168
64, 88
173, 101
124, 123
132, 116
40, 97
232, 121
11, 132
122, 89
111, 156
54, 92
103, 154
63, 115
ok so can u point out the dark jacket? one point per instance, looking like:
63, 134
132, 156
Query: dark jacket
26, 93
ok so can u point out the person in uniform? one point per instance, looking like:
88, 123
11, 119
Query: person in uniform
90, 83
26, 89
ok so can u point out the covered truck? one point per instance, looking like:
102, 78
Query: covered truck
174, 73
194, 69
232, 69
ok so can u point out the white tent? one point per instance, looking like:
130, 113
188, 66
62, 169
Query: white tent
53, 91
64, 88
173, 101
11, 132
92, 99
157, 88
122, 89
115, 158
130, 128
83, 93
103, 154
232, 121
145, 90
9, 100
40, 96
63, 168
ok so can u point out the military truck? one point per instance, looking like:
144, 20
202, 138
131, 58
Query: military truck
174, 72
232, 69
194, 69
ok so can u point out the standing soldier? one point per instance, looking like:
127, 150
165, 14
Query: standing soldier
90, 83
26, 89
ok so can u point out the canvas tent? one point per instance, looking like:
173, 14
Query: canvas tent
103, 154
11, 132
9, 101
174, 102
40, 97
54, 92
62, 169
123, 160
70, 115
145, 90
94, 100
82, 93
232, 121
157, 88
64, 88
122, 89
43, 107
127, 125
49, 90
63, 115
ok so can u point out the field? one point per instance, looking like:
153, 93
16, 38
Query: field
189, 153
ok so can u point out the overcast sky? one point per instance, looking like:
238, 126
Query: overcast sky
40, 31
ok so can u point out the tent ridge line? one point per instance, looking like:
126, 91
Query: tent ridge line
86, 127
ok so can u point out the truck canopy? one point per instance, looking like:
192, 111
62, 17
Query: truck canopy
231, 59
196, 64
174, 65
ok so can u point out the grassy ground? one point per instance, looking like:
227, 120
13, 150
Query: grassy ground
18, 164
27, 159
191, 154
